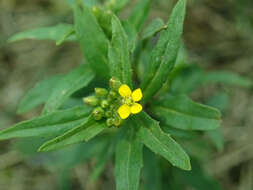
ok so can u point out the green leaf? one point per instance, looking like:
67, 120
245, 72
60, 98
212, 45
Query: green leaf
105, 155
45, 33
102, 158
179, 133
118, 53
195, 146
49, 125
92, 39
217, 138
38, 94
181, 112
155, 26
227, 78
128, 162
197, 178
84, 132
220, 101
65, 37
70, 83
139, 14
161, 143
152, 174
132, 35
117, 5
185, 78
164, 55
71, 156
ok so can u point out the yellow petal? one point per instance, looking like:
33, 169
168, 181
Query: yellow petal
124, 90
136, 108
137, 95
124, 111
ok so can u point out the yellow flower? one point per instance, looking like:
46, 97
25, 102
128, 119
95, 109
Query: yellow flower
129, 101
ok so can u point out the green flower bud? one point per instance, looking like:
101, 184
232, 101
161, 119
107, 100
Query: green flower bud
104, 103
112, 95
91, 101
110, 122
108, 114
95, 10
115, 83
101, 92
117, 121
98, 113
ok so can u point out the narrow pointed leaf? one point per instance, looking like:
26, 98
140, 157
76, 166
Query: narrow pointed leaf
132, 35
117, 5
38, 94
228, 78
164, 55
139, 14
118, 53
128, 161
82, 133
180, 133
45, 33
155, 26
197, 178
93, 41
49, 125
106, 154
217, 139
181, 112
152, 172
70, 83
160, 143
102, 158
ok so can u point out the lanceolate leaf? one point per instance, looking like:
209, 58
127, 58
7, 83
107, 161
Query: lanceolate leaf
50, 125
132, 35
128, 160
92, 39
197, 178
70, 83
154, 27
38, 94
156, 140
84, 132
179, 133
164, 55
152, 172
106, 154
181, 112
216, 137
139, 14
45, 33
102, 158
228, 78
118, 53
117, 5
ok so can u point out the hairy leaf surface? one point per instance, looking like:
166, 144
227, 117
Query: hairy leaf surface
181, 112
70, 83
161, 143
49, 125
164, 55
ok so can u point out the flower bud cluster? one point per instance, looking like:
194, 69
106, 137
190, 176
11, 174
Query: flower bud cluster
105, 103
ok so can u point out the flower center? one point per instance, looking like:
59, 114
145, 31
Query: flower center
128, 100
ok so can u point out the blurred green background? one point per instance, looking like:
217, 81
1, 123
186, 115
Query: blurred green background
218, 35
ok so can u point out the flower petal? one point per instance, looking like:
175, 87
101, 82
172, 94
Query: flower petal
124, 111
136, 108
125, 91
137, 95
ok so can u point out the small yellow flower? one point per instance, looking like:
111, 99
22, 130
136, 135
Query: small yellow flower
129, 101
